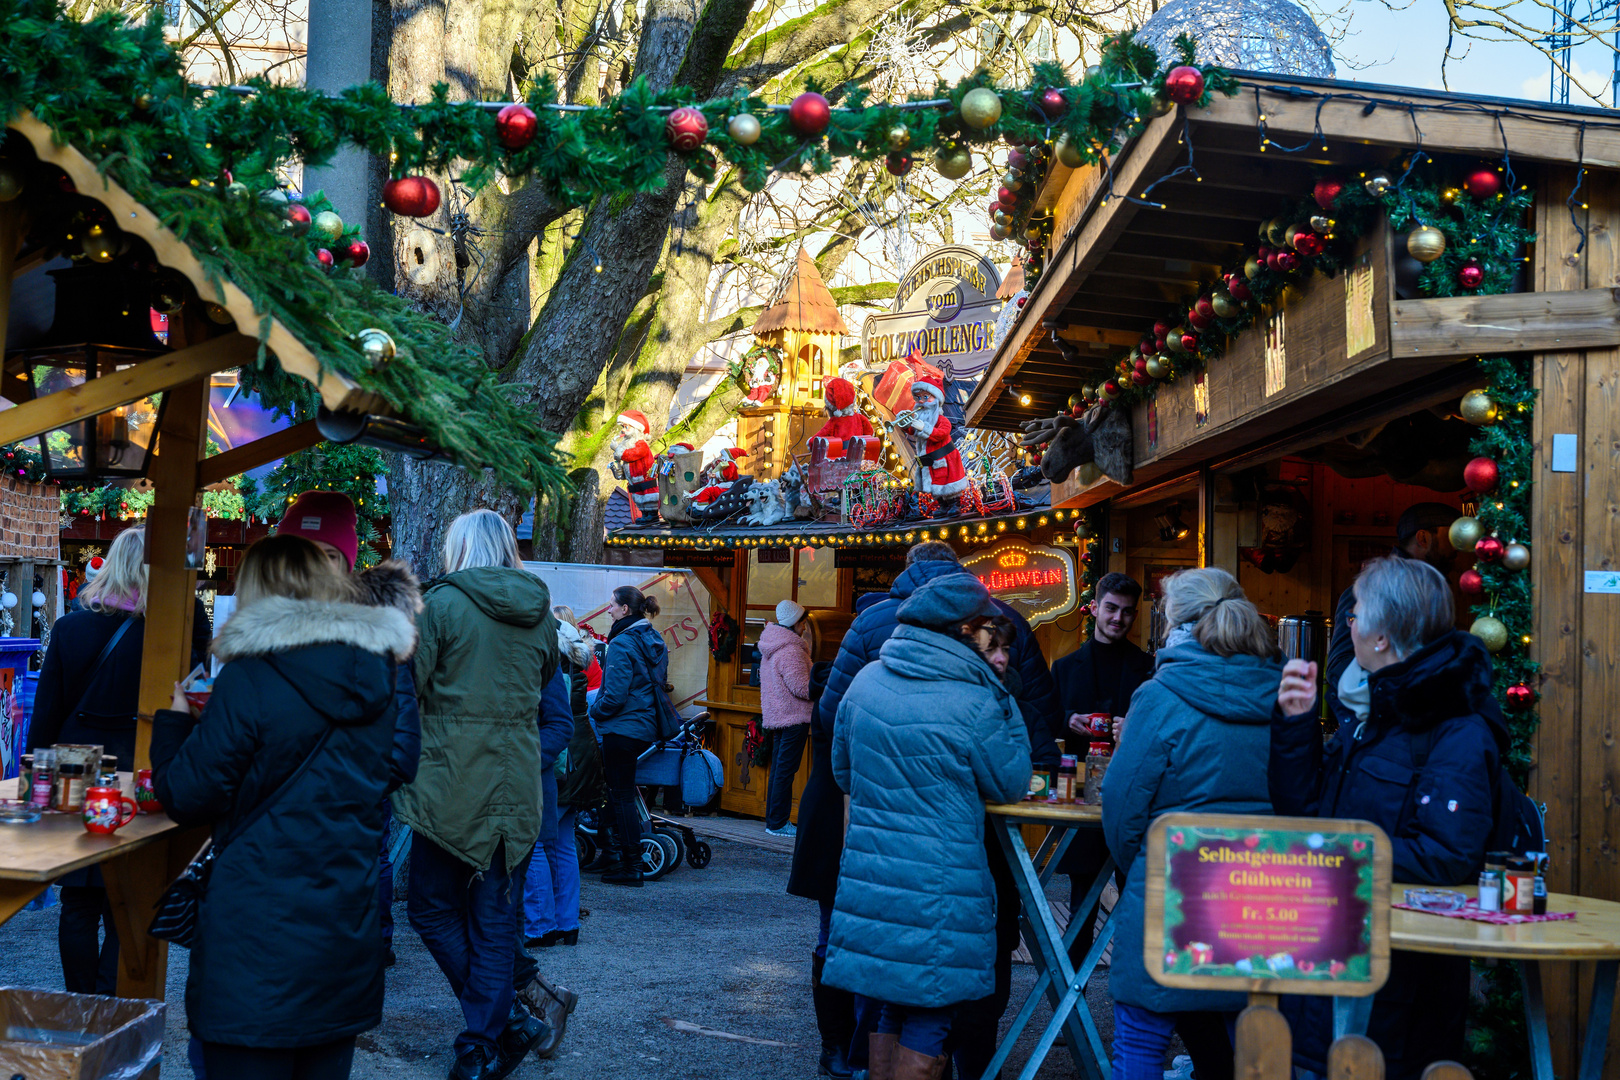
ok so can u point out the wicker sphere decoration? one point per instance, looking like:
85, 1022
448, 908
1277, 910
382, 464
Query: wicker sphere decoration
1471, 583
1478, 408
1274, 36
1488, 549
981, 108
686, 128
744, 129
1481, 475
953, 163
1515, 557
1465, 532
376, 346
1426, 243
809, 113
1490, 630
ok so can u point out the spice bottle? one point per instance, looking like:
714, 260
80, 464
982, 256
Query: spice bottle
1519, 885
70, 788
1040, 784
1490, 890
108, 775
44, 778
1064, 789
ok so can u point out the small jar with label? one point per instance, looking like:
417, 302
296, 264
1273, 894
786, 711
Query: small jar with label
1040, 785
1065, 784
70, 788
1519, 886
1490, 890
44, 792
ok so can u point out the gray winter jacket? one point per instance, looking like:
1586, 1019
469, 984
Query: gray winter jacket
922, 739
1197, 737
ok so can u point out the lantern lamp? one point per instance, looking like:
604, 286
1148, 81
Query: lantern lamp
102, 325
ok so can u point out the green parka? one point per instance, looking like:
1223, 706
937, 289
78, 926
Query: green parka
488, 646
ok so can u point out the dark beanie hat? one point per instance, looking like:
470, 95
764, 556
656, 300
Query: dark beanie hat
948, 601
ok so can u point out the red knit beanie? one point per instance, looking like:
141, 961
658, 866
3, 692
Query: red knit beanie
327, 516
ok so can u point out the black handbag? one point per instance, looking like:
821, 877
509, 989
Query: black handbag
177, 908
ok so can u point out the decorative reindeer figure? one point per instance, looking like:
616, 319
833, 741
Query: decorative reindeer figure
1102, 438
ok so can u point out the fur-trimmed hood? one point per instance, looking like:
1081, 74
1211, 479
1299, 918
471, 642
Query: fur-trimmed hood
392, 584
277, 624
574, 645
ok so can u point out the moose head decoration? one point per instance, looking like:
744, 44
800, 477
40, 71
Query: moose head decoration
1102, 437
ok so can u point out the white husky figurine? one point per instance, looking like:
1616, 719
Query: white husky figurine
766, 504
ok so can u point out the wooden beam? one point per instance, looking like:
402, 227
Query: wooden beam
1464, 326
1098, 334
149, 377
239, 459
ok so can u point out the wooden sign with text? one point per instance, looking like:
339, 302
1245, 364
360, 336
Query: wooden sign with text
1267, 904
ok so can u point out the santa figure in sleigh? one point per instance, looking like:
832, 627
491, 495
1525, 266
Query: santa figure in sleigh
939, 470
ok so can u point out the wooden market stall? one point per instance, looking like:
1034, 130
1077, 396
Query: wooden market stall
52, 195
1288, 450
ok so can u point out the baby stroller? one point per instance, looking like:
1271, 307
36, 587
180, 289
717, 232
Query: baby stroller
682, 764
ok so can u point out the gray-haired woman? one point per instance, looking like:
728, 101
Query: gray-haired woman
1420, 761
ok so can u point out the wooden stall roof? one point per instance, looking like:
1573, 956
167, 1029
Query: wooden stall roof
1123, 256
802, 302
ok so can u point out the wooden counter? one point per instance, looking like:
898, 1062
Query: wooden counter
1594, 933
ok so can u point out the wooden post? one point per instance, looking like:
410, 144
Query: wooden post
22, 584
1265, 1047
1355, 1057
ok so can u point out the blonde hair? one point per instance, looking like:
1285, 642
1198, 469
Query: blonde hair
121, 585
480, 538
289, 566
1226, 623
565, 614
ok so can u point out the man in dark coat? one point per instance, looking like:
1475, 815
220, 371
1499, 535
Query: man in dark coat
1420, 533
1098, 677
978, 1021
1420, 759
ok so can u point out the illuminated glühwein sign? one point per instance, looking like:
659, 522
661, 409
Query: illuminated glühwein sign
1037, 581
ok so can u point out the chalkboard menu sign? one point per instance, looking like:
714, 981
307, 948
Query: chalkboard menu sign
1267, 904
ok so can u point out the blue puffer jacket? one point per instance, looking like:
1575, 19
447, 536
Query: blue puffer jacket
923, 738
1439, 821
1195, 739
637, 666
1037, 698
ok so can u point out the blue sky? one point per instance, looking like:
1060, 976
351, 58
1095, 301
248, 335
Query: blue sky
1404, 48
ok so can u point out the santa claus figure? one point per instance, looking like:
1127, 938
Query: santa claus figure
838, 397
939, 463
760, 369
633, 463
718, 476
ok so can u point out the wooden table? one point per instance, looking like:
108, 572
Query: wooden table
1594, 934
1055, 977
33, 856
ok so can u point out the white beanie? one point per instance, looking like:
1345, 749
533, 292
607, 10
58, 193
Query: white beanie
788, 613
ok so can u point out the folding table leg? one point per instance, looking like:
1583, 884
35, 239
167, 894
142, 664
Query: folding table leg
1535, 1014
1597, 1019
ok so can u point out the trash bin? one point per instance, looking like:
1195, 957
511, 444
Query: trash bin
51, 1035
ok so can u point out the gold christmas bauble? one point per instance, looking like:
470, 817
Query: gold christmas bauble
1426, 243
376, 346
1515, 557
328, 225
1156, 368
100, 244
169, 296
1277, 232
1088, 474
743, 129
217, 314
1173, 340
1000, 231
11, 183
1082, 527
899, 137
981, 108
953, 163
1224, 305
1465, 533
1161, 106
1252, 268
1491, 631
1478, 408
1068, 152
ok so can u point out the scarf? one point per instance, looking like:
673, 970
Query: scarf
1354, 694
621, 625
1179, 634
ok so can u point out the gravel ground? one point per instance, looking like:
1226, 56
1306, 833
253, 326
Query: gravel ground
723, 948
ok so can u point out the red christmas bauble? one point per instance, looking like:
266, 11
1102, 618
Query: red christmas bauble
1140, 378
1017, 159
1287, 262
1326, 191
1239, 290
1184, 84
1189, 342
325, 258
515, 126
1519, 697
1053, 103
995, 205
1110, 390
1308, 244
1205, 307
1199, 320
809, 114
1158, 344
1470, 275
1008, 197
1264, 253
411, 196
1488, 549
1481, 475
1021, 300
297, 217
1160, 329
1483, 183
898, 164
1140, 367
686, 129
357, 253
1145, 347
1471, 583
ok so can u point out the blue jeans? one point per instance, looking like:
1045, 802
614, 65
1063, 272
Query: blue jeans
923, 1031
787, 751
1141, 1037
551, 891
468, 921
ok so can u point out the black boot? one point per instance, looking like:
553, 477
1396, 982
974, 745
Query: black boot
626, 873
835, 1017
607, 857
523, 1033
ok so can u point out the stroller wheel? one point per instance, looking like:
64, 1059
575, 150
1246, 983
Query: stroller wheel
655, 857
680, 847
586, 846
698, 855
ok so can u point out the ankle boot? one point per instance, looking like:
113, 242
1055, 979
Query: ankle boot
910, 1065
880, 1055
607, 858
624, 874
835, 1019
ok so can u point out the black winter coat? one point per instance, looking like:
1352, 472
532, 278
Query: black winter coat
582, 784
289, 948
1037, 701
107, 715
1439, 820
819, 845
